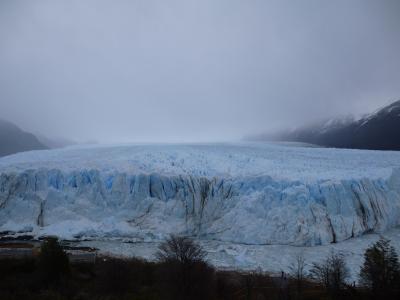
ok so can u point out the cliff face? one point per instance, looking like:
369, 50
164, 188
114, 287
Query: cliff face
251, 210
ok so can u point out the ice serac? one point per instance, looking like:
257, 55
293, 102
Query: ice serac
90, 203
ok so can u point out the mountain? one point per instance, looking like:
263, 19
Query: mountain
377, 131
13, 139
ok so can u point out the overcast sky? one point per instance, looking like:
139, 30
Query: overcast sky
158, 70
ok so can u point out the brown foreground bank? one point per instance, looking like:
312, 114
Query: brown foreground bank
112, 278
48, 270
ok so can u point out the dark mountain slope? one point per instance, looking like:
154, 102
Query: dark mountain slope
13, 140
377, 131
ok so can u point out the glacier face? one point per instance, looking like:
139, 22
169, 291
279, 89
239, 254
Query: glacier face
243, 193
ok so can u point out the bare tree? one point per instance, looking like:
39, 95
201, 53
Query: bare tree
184, 272
180, 249
297, 272
297, 269
331, 273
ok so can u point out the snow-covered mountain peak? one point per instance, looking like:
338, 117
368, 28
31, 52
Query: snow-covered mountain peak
383, 112
377, 131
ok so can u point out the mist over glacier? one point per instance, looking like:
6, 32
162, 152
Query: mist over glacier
187, 70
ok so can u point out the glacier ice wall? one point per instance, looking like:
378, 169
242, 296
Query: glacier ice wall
248, 210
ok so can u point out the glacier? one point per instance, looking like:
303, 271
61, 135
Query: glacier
242, 193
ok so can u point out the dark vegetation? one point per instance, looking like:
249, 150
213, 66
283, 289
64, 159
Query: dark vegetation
381, 271
182, 272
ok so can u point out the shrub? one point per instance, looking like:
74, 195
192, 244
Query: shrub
113, 276
53, 261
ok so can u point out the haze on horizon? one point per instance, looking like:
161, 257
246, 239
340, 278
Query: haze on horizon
166, 71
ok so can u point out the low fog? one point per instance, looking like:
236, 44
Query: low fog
210, 70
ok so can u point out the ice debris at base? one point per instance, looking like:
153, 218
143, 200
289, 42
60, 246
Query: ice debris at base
245, 193
269, 258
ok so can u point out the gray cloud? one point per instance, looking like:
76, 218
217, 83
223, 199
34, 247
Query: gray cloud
193, 70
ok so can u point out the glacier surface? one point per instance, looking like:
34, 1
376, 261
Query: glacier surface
243, 193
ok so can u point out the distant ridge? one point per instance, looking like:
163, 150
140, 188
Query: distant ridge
377, 131
13, 139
